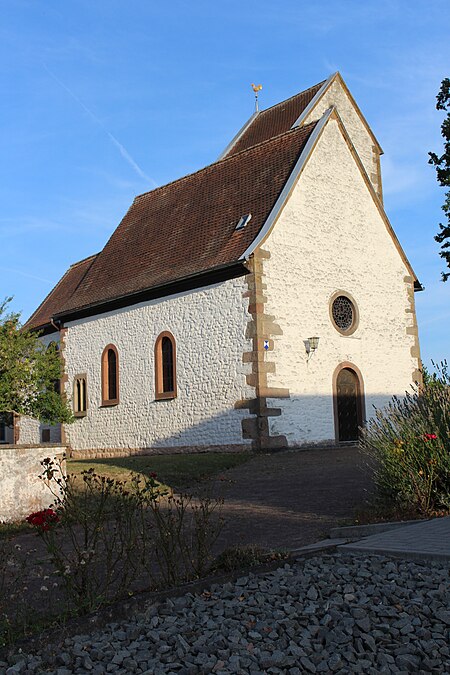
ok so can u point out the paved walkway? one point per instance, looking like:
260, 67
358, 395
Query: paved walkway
428, 540
291, 499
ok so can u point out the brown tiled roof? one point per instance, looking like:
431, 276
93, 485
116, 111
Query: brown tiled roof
184, 228
61, 295
275, 120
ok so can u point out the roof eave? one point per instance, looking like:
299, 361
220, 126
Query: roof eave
208, 277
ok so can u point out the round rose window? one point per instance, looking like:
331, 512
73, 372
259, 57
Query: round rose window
343, 313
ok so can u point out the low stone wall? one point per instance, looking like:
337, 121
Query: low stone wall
107, 453
21, 490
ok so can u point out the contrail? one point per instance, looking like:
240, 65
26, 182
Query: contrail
25, 274
125, 154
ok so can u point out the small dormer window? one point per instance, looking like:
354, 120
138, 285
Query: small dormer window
242, 222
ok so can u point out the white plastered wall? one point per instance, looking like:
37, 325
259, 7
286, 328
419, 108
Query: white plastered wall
336, 95
330, 236
209, 328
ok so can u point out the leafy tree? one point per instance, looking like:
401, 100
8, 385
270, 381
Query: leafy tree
442, 165
29, 373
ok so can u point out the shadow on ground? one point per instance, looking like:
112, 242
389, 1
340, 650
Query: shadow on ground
291, 499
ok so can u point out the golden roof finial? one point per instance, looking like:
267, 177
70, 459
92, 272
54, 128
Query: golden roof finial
256, 89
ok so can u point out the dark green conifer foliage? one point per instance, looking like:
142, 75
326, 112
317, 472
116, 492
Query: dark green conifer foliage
442, 165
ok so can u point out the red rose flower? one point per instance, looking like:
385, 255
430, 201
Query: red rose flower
43, 520
429, 437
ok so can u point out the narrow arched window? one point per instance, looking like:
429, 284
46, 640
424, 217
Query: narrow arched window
165, 366
110, 376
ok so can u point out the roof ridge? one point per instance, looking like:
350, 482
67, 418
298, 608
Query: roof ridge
83, 260
319, 84
226, 159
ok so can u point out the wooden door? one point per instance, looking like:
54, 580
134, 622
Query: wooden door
348, 405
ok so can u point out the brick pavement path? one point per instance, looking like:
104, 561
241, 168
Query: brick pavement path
291, 499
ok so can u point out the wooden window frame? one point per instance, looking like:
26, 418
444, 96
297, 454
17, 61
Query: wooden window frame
160, 394
79, 413
106, 401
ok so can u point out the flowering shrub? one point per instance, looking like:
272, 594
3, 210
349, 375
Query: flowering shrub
15, 613
105, 537
177, 532
43, 520
410, 442
90, 536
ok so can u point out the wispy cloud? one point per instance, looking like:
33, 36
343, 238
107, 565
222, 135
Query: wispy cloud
13, 227
123, 151
11, 270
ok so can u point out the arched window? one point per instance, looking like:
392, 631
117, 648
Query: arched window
165, 366
110, 376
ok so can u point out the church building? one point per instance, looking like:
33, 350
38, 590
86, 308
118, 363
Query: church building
261, 302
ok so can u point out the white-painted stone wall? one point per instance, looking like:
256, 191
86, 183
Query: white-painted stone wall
331, 237
29, 431
360, 137
21, 490
209, 327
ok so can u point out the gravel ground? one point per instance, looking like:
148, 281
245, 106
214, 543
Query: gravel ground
336, 613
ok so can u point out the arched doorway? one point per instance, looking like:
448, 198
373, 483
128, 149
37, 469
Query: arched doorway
348, 403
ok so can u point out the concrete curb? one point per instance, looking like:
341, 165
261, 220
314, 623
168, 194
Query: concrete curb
319, 547
353, 532
394, 553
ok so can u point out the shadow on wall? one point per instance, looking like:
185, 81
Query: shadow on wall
301, 420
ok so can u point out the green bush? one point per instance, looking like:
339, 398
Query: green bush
410, 442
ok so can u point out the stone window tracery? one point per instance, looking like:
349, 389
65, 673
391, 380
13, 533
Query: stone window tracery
79, 396
344, 313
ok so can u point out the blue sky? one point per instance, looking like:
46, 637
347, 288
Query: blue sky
104, 100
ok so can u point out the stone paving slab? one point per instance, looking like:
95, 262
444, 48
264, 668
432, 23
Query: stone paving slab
357, 532
428, 540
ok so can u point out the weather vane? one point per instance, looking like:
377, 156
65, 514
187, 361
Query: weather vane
256, 88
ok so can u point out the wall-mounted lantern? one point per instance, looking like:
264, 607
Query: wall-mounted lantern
311, 345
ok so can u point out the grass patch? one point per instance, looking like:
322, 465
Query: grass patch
175, 471
12, 529
242, 557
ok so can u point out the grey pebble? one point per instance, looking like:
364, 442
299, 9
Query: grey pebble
332, 613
